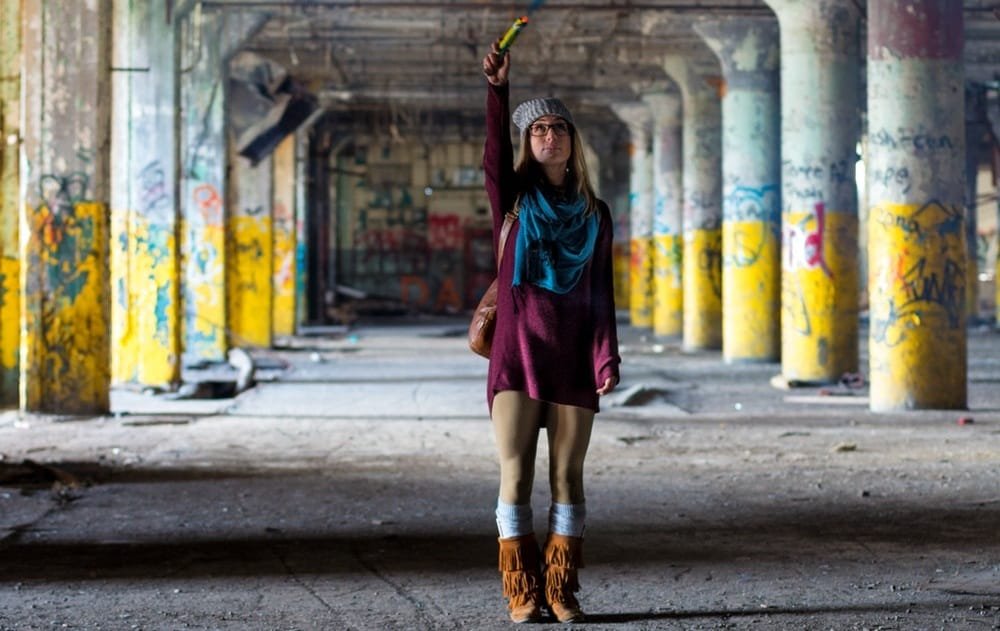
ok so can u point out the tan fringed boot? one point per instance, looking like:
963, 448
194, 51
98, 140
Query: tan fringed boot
522, 578
563, 555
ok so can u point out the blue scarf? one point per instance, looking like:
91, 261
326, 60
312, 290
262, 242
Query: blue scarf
554, 242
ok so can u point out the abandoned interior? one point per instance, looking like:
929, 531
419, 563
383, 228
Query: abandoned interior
241, 242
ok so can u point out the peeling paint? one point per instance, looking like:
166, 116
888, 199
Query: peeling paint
66, 310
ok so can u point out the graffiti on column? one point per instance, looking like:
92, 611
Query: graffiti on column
66, 238
248, 247
907, 139
284, 225
209, 204
750, 204
154, 198
897, 178
710, 263
205, 234
808, 181
59, 193
156, 240
805, 248
64, 297
920, 288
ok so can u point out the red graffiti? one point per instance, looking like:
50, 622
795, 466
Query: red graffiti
814, 242
207, 199
445, 232
810, 253
282, 215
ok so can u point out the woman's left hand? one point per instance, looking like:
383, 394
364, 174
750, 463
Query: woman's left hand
609, 385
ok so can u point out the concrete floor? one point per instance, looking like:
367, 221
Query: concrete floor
356, 492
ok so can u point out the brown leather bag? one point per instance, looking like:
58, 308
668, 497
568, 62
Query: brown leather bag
484, 318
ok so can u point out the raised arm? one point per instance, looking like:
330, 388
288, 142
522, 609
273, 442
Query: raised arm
498, 153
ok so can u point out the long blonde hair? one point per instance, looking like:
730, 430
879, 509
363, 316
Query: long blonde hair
528, 170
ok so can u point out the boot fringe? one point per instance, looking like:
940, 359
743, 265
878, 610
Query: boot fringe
560, 583
518, 553
565, 552
520, 583
521, 577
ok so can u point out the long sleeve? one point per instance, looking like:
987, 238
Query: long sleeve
606, 357
498, 156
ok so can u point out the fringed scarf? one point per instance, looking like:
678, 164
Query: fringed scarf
554, 242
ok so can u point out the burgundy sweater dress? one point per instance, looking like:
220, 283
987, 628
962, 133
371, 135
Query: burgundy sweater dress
555, 347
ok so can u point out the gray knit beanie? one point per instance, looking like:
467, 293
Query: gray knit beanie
530, 111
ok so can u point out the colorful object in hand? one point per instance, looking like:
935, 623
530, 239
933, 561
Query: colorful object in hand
511, 34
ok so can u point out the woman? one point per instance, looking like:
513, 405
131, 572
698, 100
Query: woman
555, 348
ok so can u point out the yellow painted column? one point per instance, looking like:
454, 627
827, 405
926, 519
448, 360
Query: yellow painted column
302, 187
250, 269
208, 37
65, 312
203, 188
10, 133
668, 245
622, 252
283, 302
820, 61
699, 77
144, 251
747, 48
124, 338
702, 279
917, 251
638, 118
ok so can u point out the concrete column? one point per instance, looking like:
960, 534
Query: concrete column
917, 251
10, 134
639, 120
699, 80
820, 69
65, 313
668, 302
609, 136
145, 312
977, 136
250, 266
207, 38
301, 236
747, 48
283, 283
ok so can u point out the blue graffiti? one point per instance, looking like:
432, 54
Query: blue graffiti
748, 203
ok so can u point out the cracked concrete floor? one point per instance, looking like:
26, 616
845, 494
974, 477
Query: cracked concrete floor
354, 491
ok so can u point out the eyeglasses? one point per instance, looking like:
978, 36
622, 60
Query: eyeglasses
541, 129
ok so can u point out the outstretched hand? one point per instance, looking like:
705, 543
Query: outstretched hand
496, 66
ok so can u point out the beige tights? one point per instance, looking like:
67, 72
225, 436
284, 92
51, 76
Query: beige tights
517, 419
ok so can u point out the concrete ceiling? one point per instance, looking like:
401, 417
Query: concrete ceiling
425, 54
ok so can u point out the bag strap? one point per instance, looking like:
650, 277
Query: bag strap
508, 222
